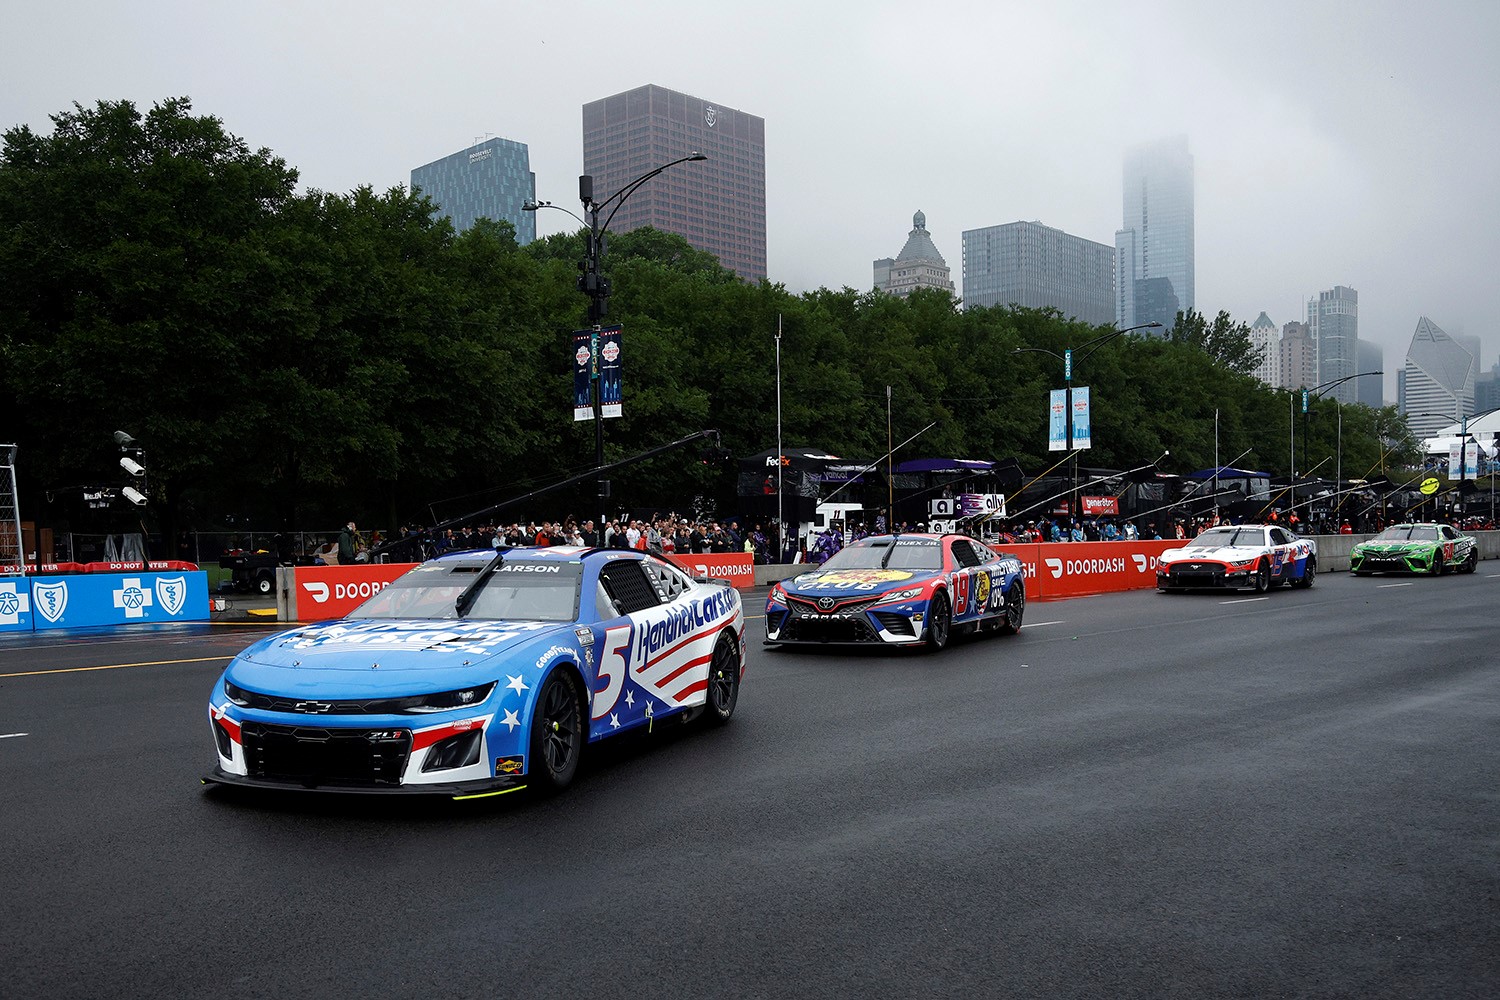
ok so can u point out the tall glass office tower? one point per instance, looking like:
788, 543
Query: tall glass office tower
1155, 241
718, 204
1334, 319
489, 180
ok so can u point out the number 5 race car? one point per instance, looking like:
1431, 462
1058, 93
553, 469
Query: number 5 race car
1416, 548
901, 590
480, 673
1261, 556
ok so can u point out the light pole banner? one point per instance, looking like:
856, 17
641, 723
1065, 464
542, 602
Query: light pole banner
1057, 421
1470, 463
583, 356
611, 382
1082, 430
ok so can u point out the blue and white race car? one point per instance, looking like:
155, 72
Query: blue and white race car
480, 673
901, 590
1259, 556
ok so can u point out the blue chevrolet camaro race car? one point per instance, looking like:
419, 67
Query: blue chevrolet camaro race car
901, 590
480, 673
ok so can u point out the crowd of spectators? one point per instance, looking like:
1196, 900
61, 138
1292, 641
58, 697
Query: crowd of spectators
662, 533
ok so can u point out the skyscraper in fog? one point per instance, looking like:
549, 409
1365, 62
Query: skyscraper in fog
1333, 317
1299, 357
1371, 391
1029, 264
488, 180
717, 205
1155, 242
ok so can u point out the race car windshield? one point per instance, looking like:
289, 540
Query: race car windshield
905, 553
1214, 538
543, 591
1407, 533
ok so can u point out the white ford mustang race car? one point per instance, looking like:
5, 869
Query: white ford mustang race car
1260, 556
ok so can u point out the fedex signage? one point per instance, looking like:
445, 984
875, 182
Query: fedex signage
91, 601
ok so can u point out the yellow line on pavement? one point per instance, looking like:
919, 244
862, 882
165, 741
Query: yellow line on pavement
118, 666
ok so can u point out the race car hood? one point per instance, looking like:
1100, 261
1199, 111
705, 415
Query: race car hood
856, 582
361, 658
1407, 546
1218, 553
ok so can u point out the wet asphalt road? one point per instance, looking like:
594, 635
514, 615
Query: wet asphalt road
1139, 796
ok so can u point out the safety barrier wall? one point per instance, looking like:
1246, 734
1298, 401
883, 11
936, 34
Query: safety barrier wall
1077, 569
318, 593
92, 600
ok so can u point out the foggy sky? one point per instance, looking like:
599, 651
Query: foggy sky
1349, 143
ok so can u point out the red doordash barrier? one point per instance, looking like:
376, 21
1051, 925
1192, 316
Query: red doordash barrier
1077, 569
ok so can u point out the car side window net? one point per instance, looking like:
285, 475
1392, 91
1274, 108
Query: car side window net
628, 585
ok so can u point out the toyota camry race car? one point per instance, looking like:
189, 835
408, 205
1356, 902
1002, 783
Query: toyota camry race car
1260, 556
1416, 548
901, 590
480, 673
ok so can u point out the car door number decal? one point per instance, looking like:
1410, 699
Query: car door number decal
612, 669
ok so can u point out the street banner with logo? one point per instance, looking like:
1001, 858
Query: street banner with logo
318, 593
1057, 421
583, 371
975, 504
1083, 433
736, 567
611, 379
91, 600
1471, 459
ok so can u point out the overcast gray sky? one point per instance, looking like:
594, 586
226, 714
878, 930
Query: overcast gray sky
1349, 143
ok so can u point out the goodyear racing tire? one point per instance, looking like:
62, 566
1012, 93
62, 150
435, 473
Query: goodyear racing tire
556, 735
1262, 580
1015, 609
723, 682
1472, 563
1438, 566
939, 621
1309, 574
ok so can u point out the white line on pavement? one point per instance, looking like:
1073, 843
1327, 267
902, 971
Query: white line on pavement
1246, 600
1040, 624
1492, 576
1388, 586
11, 736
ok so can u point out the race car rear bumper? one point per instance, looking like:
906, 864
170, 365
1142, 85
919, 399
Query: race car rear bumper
456, 790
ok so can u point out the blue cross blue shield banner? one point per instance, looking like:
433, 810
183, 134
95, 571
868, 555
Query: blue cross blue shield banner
611, 372
583, 370
1083, 432
1057, 421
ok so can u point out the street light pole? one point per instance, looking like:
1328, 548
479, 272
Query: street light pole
1316, 393
1067, 359
594, 285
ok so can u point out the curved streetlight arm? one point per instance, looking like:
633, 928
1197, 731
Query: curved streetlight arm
629, 189
536, 206
1100, 341
1316, 391
1036, 350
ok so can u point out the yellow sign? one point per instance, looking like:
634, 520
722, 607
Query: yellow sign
1429, 487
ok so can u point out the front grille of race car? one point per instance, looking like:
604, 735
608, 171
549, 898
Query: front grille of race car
313, 756
846, 622
1196, 575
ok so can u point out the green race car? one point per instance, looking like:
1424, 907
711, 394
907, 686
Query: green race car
1416, 548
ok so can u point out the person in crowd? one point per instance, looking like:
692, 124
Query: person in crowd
347, 543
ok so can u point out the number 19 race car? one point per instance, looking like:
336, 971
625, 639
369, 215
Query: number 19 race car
1416, 548
480, 673
900, 590
1260, 556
